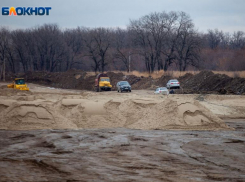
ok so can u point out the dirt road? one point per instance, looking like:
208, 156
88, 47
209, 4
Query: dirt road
123, 155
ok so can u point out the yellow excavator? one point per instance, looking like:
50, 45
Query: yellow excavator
19, 83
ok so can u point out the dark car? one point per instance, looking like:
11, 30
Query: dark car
123, 86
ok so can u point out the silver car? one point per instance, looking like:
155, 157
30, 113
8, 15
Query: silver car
162, 90
173, 84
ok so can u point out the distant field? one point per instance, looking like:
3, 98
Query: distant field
176, 74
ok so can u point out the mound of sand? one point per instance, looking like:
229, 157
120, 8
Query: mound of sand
167, 114
26, 112
31, 115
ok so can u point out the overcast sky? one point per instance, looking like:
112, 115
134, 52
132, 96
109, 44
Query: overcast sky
226, 15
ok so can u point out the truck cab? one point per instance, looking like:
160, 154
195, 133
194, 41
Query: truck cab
102, 82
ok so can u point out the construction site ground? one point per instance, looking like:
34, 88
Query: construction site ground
205, 82
51, 134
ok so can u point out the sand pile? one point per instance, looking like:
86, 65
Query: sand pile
167, 114
25, 112
27, 115
139, 114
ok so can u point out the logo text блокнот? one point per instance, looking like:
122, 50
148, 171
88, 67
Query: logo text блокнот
8, 11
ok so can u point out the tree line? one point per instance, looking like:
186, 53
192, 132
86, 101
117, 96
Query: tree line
158, 41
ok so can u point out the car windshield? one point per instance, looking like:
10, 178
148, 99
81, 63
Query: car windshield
20, 82
124, 83
163, 88
105, 79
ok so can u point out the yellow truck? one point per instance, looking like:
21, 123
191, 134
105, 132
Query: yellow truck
102, 82
19, 83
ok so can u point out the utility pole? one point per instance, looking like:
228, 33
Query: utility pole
129, 60
4, 69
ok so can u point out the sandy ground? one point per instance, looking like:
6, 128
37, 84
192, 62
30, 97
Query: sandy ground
72, 135
49, 108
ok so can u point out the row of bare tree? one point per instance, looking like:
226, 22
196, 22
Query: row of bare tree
158, 41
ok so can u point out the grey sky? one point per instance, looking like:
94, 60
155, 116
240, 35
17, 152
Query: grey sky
226, 15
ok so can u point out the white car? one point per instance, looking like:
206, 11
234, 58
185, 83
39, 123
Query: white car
173, 84
162, 90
